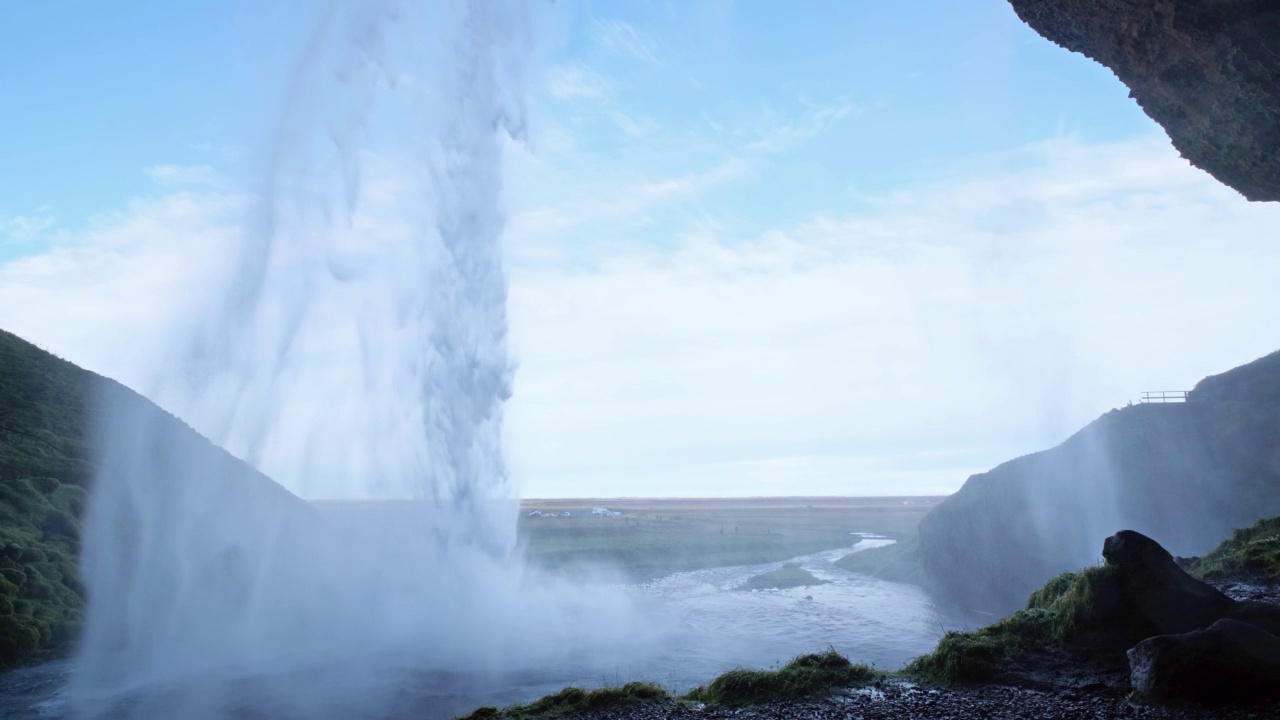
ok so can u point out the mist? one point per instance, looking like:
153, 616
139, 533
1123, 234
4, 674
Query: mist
345, 360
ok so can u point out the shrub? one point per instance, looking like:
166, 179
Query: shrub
575, 700
804, 676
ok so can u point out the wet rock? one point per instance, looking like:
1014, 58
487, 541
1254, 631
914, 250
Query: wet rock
1204, 69
1162, 594
1228, 661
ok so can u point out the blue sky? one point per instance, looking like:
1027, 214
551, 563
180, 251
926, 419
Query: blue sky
828, 248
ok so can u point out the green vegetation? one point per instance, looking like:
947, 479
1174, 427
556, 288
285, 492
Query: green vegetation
1056, 614
805, 676
44, 467
899, 562
573, 701
657, 538
1250, 552
789, 575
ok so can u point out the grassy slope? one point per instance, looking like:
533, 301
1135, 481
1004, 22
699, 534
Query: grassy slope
44, 468
1055, 614
1252, 552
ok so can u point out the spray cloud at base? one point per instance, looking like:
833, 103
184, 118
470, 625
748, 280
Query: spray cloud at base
351, 351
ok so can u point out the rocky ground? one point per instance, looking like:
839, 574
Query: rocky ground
903, 701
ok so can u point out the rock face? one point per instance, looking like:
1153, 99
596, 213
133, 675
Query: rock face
1206, 70
1186, 473
1162, 593
1159, 595
1227, 661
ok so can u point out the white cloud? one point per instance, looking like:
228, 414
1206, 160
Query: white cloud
786, 132
623, 38
574, 82
891, 347
896, 348
185, 175
22, 229
105, 296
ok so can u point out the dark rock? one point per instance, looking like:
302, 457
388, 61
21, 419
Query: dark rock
1206, 70
1162, 593
1263, 614
1228, 661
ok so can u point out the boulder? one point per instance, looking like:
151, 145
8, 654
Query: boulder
1160, 592
1157, 594
1229, 661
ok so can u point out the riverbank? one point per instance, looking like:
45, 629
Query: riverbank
1067, 654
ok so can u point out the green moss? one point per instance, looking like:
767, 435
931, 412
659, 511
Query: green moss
789, 575
1055, 614
574, 700
44, 463
1253, 552
804, 676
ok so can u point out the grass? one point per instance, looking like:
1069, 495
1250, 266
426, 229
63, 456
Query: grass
789, 575
805, 676
1250, 552
658, 538
1055, 614
575, 700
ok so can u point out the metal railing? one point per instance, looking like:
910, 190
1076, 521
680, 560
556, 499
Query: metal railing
1164, 396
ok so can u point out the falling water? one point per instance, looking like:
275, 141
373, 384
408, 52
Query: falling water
357, 348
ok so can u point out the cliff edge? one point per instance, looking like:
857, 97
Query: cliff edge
1188, 473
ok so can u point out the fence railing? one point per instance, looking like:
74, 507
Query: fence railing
1164, 396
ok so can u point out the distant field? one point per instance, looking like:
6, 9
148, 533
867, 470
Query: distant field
654, 537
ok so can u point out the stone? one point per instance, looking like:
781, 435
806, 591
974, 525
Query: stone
1205, 70
1158, 591
1229, 661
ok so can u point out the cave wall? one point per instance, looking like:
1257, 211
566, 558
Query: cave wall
1208, 71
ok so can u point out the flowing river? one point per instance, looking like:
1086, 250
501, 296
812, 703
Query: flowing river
709, 626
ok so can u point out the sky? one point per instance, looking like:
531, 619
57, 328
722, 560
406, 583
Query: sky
850, 248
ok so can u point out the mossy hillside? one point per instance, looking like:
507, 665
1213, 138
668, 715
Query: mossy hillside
40, 591
1252, 552
44, 468
1067, 608
1188, 473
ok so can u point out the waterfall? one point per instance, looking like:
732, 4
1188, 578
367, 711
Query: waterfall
356, 347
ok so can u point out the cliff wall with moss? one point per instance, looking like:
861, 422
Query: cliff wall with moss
48, 411
1188, 473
